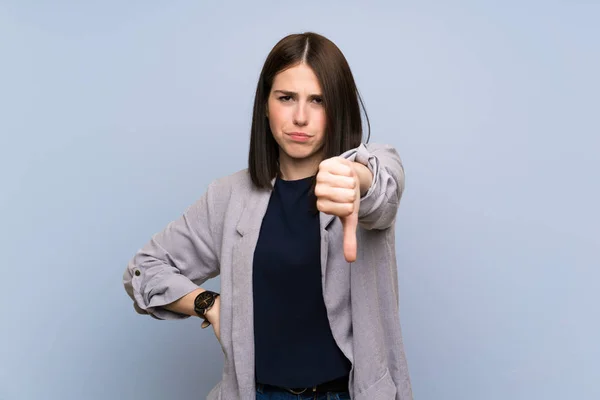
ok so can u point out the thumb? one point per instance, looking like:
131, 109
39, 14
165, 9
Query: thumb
349, 224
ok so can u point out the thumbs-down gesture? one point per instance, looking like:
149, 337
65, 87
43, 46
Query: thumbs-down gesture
338, 191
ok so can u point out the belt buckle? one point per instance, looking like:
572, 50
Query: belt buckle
294, 392
314, 389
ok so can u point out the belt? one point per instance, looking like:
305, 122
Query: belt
336, 385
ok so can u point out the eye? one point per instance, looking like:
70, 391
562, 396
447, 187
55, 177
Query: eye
285, 98
318, 100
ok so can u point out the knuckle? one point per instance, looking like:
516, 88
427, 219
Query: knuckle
319, 190
320, 205
351, 195
346, 209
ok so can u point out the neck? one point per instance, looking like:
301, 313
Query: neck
298, 168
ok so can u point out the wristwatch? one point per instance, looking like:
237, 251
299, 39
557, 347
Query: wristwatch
204, 302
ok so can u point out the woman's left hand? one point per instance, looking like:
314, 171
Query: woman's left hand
338, 193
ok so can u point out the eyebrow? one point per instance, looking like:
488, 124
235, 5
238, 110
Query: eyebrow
288, 93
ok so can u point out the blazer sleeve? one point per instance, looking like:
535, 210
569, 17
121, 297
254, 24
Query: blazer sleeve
379, 206
175, 262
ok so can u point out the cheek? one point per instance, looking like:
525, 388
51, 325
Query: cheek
277, 116
321, 122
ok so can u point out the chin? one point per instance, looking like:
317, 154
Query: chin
299, 153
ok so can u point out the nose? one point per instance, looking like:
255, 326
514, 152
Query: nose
300, 115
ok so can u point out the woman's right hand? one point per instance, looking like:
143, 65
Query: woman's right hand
213, 316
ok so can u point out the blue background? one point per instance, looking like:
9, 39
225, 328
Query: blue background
115, 116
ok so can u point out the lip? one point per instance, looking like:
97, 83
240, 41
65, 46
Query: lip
299, 136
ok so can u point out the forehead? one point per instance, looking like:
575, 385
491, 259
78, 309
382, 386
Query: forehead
299, 78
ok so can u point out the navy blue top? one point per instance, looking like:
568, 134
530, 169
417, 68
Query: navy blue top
294, 346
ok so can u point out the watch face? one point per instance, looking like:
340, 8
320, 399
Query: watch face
203, 301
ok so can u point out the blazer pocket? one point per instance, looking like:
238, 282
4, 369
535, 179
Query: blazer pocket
383, 389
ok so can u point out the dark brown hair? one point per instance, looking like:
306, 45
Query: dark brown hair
341, 100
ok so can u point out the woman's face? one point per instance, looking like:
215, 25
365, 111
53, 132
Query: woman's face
296, 113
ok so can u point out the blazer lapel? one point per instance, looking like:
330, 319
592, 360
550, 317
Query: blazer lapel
325, 220
242, 331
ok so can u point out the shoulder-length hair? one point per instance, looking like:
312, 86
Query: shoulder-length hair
342, 102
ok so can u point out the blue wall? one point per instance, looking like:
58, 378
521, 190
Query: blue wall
115, 116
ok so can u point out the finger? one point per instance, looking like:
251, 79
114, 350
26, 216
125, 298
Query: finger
335, 194
338, 166
341, 181
350, 224
333, 208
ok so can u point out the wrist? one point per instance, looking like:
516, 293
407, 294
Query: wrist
365, 177
213, 311
204, 303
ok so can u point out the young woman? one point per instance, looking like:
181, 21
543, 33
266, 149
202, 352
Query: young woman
303, 242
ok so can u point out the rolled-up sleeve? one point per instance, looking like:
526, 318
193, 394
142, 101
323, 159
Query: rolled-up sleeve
175, 262
379, 206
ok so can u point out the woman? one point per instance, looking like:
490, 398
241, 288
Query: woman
303, 241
